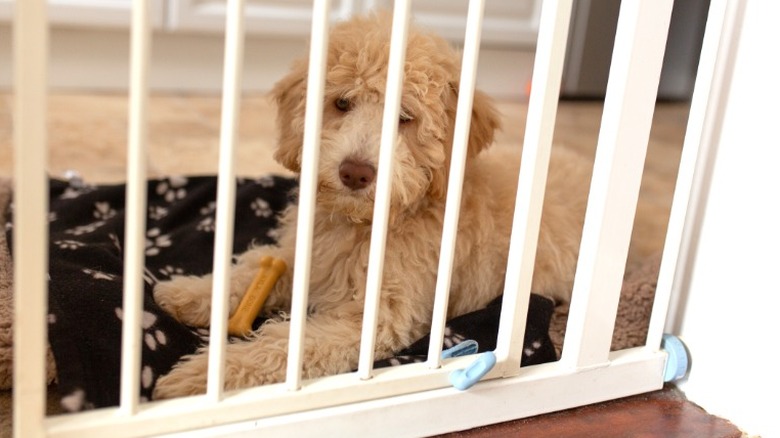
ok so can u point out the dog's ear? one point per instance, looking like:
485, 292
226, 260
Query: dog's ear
485, 120
289, 94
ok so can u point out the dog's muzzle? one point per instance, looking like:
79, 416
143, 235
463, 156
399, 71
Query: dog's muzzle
356, 175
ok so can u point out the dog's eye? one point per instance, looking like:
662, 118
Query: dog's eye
404, 117
343, 104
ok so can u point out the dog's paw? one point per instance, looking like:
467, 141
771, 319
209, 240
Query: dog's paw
188, 299
186, 378
245, 366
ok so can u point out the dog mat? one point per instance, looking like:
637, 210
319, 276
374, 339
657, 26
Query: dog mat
86, 269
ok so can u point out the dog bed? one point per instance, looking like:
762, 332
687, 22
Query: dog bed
85, 287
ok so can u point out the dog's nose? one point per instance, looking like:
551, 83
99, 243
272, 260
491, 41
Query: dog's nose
356, 175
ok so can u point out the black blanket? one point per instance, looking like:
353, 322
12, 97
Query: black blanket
85, 286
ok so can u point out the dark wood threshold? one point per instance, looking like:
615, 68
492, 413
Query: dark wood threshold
663, 414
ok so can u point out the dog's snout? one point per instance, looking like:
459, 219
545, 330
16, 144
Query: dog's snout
356, 175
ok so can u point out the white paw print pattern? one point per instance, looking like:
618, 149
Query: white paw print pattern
206, 224
274, 233
156, 241
68, 244
153, 338
172, 189
169, 271
156, 212
535, 345
115, 240
76, 191
452, 339
75, 401
98, 275
265, 181
103, 211
147, 377
261, 208
210, 208
85, 229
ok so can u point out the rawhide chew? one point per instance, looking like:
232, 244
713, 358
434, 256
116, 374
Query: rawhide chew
270, 270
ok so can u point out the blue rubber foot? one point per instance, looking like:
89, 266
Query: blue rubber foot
466, 378
678, 360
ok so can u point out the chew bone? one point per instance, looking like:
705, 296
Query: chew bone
270, 270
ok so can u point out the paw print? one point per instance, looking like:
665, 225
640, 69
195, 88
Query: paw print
169, 271
68, 244
85, 229
266, 181
76, 401
206, 225
210, 208
274, 234
155, 241
172, 189
263, 181
530, 351
156, 212
103, 211
98, 275
115, 240
74, 191
153, 337
261, 208
451, 339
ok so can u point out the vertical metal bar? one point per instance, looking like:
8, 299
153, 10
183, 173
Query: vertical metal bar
308, 190
706, 113
383, 185
226, 188
625, 129
135, 223
468, 79
31, 47
542, 110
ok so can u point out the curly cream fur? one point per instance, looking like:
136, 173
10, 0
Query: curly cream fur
357, 67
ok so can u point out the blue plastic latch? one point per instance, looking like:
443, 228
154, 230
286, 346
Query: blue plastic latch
677, 362
467, 377
465, 348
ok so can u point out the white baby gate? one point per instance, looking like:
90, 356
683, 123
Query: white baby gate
415, 399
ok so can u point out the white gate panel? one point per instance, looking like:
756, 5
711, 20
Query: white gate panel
396, 401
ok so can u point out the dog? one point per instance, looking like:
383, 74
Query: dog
354, 97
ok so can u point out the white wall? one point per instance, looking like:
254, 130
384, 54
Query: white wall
732, 316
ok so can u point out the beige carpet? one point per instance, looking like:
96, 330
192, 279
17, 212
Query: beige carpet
87, 134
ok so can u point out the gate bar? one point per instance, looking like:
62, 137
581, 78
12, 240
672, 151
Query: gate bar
540, 124
226, 197
31, 232
468, 79
307, 190
640, 41
706, 113
135, 223
376, 256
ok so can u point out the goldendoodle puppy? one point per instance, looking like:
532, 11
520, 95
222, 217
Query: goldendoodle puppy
354, 97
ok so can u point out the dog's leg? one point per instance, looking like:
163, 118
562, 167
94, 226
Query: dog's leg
188, 298
331, 346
